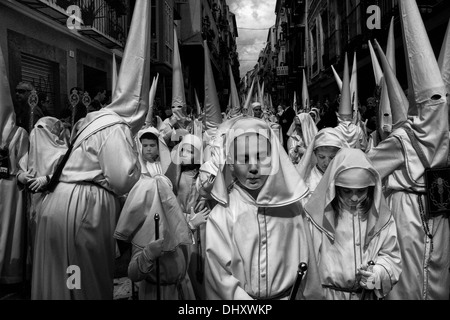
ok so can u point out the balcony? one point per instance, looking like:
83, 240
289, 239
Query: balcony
104, 21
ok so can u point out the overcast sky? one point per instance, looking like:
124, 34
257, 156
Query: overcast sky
252, 14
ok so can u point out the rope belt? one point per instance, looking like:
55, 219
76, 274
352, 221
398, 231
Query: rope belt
282, 294
349, 290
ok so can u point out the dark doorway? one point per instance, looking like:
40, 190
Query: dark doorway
94, 79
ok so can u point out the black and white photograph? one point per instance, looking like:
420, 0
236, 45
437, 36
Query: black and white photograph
225, 154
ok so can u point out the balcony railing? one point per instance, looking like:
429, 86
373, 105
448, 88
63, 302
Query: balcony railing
102, 20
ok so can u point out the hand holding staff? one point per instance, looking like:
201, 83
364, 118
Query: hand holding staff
158, 279
302, 267
364, 291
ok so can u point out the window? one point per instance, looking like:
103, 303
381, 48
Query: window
154, 31
43, 75
168, 33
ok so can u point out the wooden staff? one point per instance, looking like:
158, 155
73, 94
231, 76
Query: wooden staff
74, 100
302, 267
158, 279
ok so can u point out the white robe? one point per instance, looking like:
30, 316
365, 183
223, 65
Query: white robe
12, 213
425, 274
77, 221
254, 253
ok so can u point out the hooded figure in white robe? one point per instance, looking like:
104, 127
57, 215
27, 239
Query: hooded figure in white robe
75, 249
14, 147
254, 243
421, 141
299, 140
348, 233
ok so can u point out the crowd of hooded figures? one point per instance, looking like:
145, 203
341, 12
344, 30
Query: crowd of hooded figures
234, 206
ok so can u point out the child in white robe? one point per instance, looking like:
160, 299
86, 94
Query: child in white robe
256, 235
351, 226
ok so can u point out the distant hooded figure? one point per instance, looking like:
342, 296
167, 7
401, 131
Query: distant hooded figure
301, 134
327, 142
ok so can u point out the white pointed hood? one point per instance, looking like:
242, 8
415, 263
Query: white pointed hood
398, 103
178, 95
213, 114
149, 119
427, 94
131, 96
385, 116
444, 59
248, 100
345, 106
197, 104
305, 94
377, 72
354, 89
114, 73
235, 103
337, 78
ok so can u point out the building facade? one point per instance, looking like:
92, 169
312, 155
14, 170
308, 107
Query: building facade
57, 45
315, 34
60, 44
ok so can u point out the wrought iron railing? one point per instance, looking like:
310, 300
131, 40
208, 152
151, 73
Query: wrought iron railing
107, 16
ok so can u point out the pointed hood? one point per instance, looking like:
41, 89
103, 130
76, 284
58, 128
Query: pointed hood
345, 106
234, 97
390, 48
398, 103
385, 112
149, 119
7, 114
248, 100
427, 95
305, 94
354, 89
261, 98
337, 78
213, 113
378, 74
178, 96
197, 104
130, 99
444, 59
421, 65
294, 104
114, 73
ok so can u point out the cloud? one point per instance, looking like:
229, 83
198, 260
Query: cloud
252, 14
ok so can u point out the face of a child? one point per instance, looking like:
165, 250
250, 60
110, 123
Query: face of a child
324, 156
257, 112
150, 150
188, 155
252, 157
351, 196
